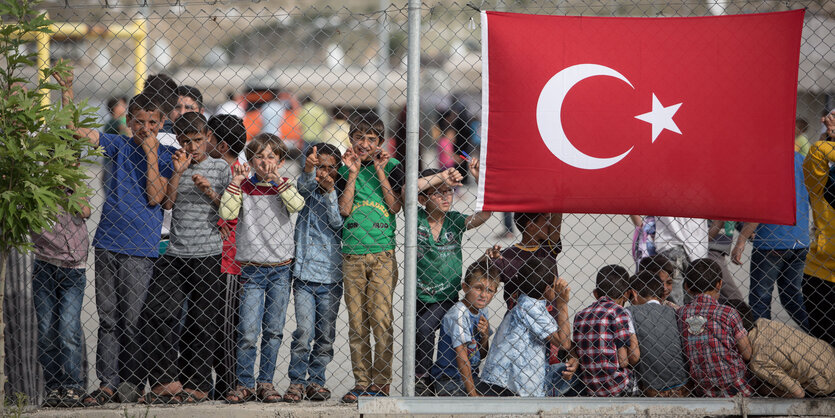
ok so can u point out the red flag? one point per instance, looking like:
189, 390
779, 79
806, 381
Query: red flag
683, 116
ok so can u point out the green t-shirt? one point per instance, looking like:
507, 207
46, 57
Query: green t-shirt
439, 263
370, 227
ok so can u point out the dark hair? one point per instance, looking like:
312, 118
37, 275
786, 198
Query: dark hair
801, 124
191, 92
536, 275
482, 269
323, 148
112, 102
656, 264
230, 130
702, 276
190, 123
612, 281
745, 313
426, 173
164, 89
522, 219
261, 141
143, 101
367, 123
648, 284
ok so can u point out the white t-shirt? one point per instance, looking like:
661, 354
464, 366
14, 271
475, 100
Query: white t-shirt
690, 233
167, 138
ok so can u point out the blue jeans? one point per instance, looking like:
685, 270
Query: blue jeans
785, 267
58, 293
264, 299
317, 306
555, 385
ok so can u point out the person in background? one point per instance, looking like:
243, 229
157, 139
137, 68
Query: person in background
312, 117
336, 132
117, 124
801, 141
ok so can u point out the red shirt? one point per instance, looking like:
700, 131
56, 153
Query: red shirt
228, 264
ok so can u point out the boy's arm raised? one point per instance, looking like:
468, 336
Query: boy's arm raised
477, 219
155, 184
462, 360
346, 199
65, 81
391, 197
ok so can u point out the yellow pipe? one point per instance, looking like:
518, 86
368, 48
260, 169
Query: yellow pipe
140, 52
42, 40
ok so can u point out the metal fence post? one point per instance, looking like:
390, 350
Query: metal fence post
412, 129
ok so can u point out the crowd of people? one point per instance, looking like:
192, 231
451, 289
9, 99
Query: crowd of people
193, 302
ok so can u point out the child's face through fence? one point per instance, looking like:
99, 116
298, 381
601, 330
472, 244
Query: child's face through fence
144, 124
265, 162
668, 283
195, 144
480, 292
326, 171
440, 199
365, 145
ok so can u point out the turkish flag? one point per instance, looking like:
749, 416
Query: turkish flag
679, 116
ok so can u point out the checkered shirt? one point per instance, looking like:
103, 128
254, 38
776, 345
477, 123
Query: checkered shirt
709, 334
599, 331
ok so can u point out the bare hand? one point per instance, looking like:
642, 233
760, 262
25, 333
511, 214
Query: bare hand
241, 172
352, 161
829, 121
64, 80
311, 162
736, 252
474, 165
273, 174
203, 185
225, 231
181, 160
570, 368
452, 177
381, 160
495, 252
483, 326
562, 292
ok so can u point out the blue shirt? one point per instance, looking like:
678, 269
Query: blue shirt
318, 234
783, 237
458, 327
518, 356
129, 225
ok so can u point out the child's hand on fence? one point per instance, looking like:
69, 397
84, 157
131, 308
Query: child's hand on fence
311, 162
326, 182
181, 160
474, 165
483, 327
452, 177
562, 292
381, 160
225, 231
570, 368
495, 252
203, 185
240, 174
352, 161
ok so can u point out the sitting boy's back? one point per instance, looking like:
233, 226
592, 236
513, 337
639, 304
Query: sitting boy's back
661, 369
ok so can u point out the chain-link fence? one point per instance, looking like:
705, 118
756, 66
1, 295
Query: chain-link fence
277, 271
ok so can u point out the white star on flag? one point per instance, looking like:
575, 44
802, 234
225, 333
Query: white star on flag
660, 118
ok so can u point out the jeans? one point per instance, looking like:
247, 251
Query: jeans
445, 386
121, 287
317, 306
785, 267
555, 385
58, 293
819, 297
427, 324
264, 299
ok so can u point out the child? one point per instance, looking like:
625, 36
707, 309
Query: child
227, 137
713, 337
605, 344
439, 264
317, 274
465, 332
189, 270
662, 268
117, 124
790, 362
661, 370
370, 184
515, 365
58, 280
265, 251
127, 243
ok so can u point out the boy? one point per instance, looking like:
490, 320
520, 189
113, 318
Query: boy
465, 332
712, 335
790, 362
117, 124
662, 268
439, 264
370, 184
227, 138
127, 242
661, 370
262, 204
605, 344
516, 364
189, 270
317, 273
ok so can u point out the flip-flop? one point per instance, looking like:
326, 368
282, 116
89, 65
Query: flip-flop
374, 394
188, 398
356, 393
152, 398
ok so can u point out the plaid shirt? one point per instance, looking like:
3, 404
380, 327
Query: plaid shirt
709, 332
599, 331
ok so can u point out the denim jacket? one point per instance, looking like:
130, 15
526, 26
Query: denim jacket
318, 234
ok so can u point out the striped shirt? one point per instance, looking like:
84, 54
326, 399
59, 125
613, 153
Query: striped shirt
194, 231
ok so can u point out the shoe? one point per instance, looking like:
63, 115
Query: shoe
53, 398
72, 398
128, 393
424, 386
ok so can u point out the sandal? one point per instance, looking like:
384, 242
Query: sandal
267, 394
378, 391
99, 397
353, 395
239, 395
72, 398
53, 398
189, 398
316, 392
294, 393
152, 398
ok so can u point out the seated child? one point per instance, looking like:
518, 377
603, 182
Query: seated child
464, 333
317, 275
661, 370
262, 204
661, 267
603, 339
515, 365
714, 340
790, 362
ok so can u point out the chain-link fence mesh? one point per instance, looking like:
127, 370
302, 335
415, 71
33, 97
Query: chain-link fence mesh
164, 302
